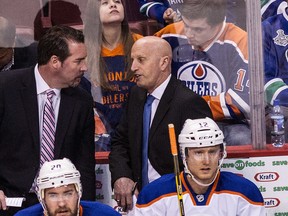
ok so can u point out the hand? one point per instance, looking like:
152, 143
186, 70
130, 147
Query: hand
2, 201
99, 125
123, 188
169, 15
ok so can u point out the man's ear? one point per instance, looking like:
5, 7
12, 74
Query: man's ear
55, 62
164, 62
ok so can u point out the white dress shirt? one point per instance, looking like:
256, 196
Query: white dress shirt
41, 88
157, 94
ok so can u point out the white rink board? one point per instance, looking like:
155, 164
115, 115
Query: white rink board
270, 174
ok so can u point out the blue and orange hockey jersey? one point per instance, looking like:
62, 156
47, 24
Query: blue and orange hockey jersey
219, 73
87, 208
110, 103
228, 195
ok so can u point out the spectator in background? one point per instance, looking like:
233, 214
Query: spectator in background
166, 11
31, 134
134, 157
60, 191
56, 13
109, 41
275, 47
12, 54
236, 13
272, 7
210, 57
205, 190
138, 23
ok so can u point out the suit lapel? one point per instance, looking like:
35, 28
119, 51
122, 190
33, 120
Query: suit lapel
66, 109
140, 103
139, 108
30, 104
163, 106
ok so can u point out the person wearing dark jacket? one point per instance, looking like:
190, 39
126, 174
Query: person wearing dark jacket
45, 116
173, 103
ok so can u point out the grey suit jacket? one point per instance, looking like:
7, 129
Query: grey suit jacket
177, 104
19, 133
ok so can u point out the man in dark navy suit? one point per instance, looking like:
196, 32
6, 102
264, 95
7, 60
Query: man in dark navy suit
23, 93
173, 103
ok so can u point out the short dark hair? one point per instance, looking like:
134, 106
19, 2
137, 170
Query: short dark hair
213, 10
55, 42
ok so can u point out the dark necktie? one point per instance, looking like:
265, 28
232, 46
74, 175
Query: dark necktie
146, 128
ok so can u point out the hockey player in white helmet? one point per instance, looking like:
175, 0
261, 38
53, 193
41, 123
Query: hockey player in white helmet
195, 135
206, 190
59, 192
54, 175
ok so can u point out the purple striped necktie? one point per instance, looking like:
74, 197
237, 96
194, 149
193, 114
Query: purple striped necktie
48, 129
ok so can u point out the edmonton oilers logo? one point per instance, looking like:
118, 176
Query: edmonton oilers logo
202, 77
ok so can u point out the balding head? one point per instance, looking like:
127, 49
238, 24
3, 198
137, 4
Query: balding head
159, 45
152, 58
7, 33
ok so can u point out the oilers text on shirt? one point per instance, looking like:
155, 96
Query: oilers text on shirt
219, 72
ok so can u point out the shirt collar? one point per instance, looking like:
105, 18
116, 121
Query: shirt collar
158, 92
41, 85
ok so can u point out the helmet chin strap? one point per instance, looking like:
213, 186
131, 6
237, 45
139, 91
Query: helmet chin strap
201, 183
79, 197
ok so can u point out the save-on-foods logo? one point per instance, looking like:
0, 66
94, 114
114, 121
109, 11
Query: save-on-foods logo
281, 213
271, 202
266, 176
240, 164
280, 188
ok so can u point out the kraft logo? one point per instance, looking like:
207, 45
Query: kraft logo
271, 202
98, 185
266, 176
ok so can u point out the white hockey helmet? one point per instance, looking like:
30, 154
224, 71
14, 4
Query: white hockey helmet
57, 173
199, 133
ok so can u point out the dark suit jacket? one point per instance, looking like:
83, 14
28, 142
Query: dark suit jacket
177, 104
19, 133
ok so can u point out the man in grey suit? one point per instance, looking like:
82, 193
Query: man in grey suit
61, 64
173, 103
